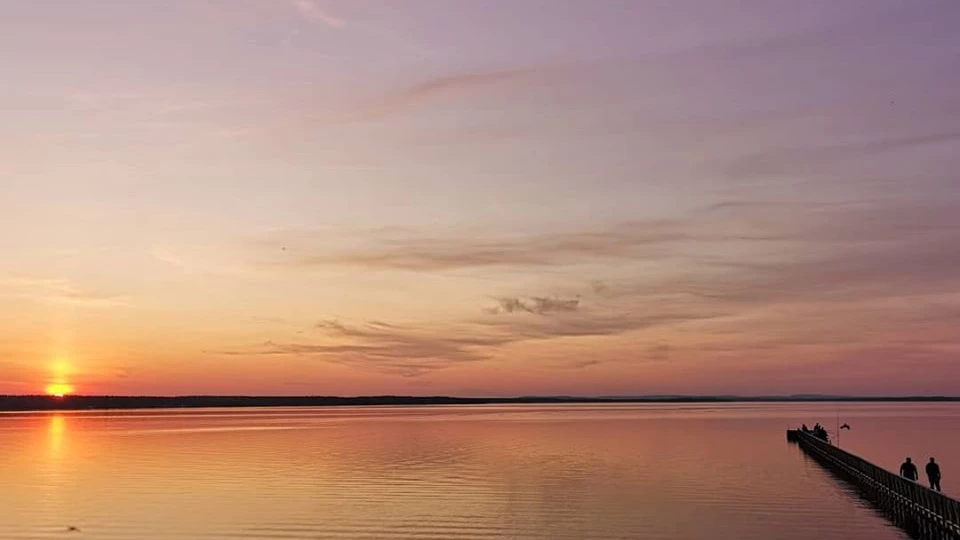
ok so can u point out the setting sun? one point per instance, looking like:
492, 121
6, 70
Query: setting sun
59, 389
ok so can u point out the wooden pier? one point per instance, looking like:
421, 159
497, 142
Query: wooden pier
921, 512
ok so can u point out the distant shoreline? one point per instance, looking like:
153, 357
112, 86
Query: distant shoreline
74, 403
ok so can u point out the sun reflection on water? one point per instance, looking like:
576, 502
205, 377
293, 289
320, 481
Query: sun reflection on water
56, 434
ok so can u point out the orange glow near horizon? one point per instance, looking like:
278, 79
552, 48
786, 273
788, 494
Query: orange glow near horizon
59, 389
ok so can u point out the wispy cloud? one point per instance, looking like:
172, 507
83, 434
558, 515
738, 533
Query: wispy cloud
310, 10
581, 364
801, 158
271, 320
57, 290
742, 279
389, 101
425, 91
659, 352
411, 351
409, 252
89, 299
397, 249
198, 259
401, 350
825, 280
608, 322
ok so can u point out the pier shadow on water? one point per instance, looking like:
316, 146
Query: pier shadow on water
870, 498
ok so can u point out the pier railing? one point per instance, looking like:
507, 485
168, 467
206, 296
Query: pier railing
922, 512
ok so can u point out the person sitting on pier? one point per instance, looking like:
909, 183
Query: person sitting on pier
804, 428
909, 471
933, 474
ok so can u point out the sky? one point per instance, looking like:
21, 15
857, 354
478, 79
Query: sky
480, 197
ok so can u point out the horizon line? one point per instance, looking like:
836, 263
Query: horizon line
46, 403
492, 397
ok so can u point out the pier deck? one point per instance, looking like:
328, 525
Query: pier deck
923, 513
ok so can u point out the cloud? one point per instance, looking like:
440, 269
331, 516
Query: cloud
412, 351
89, 299
738, 279
658, 353
396, 249
598, 286
843, 253
539, 305
879, 275
406, 351
827, 275
609, 322
199, 259
385, 102
26, 281
415, 253
579, 364
807, 158
456, 83
430, 89
271, 320
57, 290
308, 9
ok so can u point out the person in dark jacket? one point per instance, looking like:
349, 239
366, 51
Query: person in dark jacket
909, 471
933, 474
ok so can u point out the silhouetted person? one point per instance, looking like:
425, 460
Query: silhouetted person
805, 428
909, 471
933, 474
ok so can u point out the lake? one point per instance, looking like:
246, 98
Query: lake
691, 471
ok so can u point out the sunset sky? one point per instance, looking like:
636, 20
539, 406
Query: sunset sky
484, 197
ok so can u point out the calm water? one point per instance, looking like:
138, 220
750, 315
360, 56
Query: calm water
492, 472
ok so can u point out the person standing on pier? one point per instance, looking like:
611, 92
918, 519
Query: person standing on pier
933, 474
909, 471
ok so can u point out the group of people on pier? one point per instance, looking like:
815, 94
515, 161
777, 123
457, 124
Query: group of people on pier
818, 431
909, 471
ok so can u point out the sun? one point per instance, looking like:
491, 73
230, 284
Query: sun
58, 390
